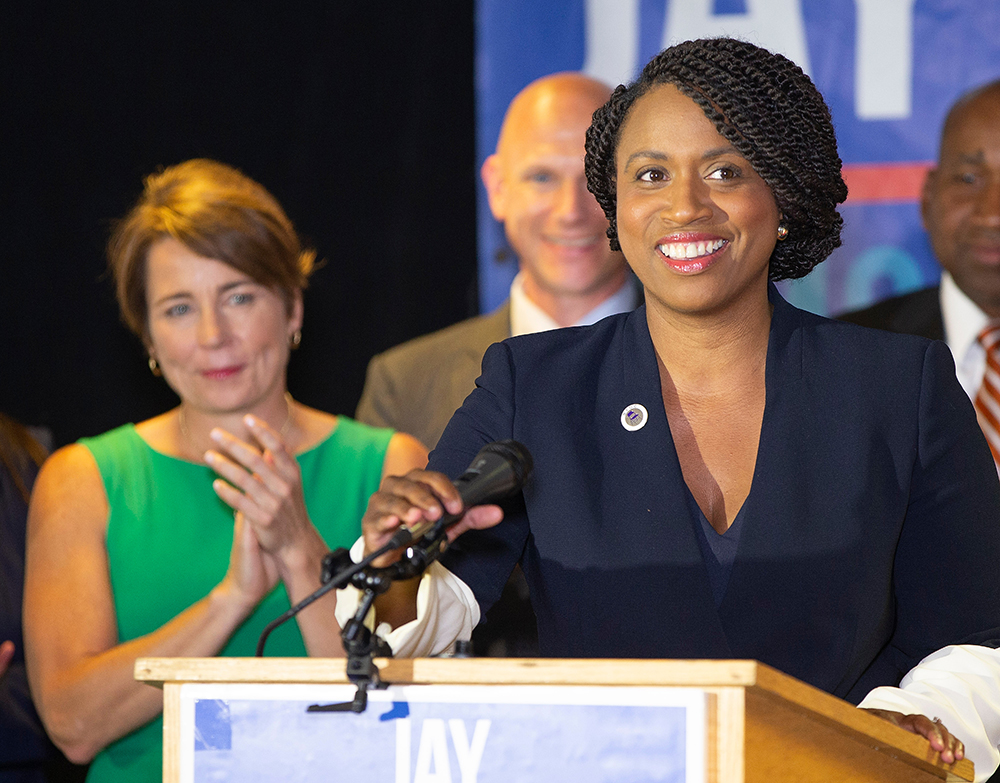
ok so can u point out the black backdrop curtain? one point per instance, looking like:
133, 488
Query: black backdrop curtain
358, 117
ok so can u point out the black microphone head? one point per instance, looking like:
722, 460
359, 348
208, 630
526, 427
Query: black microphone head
516, 454
499, 469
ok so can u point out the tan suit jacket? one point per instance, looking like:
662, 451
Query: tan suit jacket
415, 387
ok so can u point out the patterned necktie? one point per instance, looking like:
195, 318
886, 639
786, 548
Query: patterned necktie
987, 400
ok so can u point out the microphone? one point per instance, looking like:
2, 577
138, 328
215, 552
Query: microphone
498, 470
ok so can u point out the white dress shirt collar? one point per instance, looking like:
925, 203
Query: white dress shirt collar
527, 318
963, 321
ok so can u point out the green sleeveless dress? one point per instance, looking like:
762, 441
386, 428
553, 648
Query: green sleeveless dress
169, 538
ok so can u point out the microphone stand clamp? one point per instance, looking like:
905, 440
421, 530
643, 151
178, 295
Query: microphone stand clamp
361, 645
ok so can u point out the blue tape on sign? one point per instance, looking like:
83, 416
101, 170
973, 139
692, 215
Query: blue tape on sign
400, 709
212, 727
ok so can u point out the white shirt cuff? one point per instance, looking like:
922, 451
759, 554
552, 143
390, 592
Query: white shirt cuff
447, 611
961, 686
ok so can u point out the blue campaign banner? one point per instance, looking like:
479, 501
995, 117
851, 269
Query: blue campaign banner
889, 70
440, 734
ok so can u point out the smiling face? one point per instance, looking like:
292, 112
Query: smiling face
537, 188
695, 221
220, 337
961, 200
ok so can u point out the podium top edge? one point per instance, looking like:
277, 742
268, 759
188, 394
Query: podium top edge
486, 671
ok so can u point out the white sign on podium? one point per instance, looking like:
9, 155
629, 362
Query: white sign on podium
442, 734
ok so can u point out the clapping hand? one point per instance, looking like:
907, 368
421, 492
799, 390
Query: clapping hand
263, 483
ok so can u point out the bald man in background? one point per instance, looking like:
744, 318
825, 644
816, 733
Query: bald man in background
567, 273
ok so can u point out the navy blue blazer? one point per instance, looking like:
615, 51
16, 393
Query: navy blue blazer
871, 534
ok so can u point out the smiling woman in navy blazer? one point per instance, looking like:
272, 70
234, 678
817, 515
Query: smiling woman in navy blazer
719, 474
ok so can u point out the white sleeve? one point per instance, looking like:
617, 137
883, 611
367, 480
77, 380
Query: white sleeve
447, 611
961, 686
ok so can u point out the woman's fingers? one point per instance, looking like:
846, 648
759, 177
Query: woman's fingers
266, 487
236, 500
267, 437
419, 495
432, 492
274, 467
6, 655
413, 497
477, 518
248, 484
949, 746
251, 572
269, 479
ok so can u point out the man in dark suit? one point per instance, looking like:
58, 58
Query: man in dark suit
567, 273
960, 207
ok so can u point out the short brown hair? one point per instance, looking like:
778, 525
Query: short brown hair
216, 212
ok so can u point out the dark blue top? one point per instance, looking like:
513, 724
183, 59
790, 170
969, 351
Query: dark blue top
717, 550
870, 536
24, 745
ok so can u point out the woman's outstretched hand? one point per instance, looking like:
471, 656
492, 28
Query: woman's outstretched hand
419, 495
950, 747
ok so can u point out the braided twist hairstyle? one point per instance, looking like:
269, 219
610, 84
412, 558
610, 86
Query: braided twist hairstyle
769, 110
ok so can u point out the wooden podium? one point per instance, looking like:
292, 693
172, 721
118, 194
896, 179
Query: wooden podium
760, 725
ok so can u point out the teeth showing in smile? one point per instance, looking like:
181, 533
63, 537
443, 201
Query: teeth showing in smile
681, 251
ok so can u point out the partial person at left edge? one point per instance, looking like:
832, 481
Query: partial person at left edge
26, 754
185, 534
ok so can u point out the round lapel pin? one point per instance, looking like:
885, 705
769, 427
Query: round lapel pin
634, 417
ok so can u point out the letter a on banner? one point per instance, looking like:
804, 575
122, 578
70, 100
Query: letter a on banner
432, 757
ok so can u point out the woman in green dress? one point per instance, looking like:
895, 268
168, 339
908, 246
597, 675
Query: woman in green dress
185, 534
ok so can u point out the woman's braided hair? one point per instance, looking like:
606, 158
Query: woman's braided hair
769, 110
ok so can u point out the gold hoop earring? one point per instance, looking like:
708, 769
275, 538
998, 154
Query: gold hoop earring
295, 339
782, 232
154, 367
